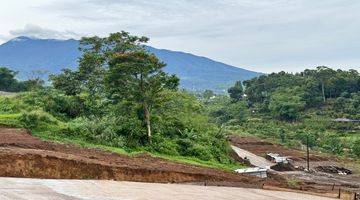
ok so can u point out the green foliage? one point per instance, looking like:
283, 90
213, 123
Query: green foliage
67, 81
11, 120
236, 92
9, 105
293, 109
223, 110
9, 83
37, 119
54, 102
349, 104
333, 144
315, 86
180, 125
208, 94
286, 103
356, 148
138, 77
306, 138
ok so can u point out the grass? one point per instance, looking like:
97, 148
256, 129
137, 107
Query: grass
10, 120
202, 163
293, 183
181, 159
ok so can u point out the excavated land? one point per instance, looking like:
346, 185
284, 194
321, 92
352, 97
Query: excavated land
316, 180
261, 147
23, 155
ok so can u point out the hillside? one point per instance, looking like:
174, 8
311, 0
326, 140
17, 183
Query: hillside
26, 55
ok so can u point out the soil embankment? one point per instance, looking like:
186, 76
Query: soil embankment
262, 147
23, 155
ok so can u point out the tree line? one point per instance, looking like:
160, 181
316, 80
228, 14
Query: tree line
285, 95
9, 82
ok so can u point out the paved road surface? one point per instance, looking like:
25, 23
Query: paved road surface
255, 160
36, 189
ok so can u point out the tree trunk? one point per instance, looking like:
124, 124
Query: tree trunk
147, 120
323, 91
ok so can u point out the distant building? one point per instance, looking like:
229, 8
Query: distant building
345, 120
255, 171
276, 158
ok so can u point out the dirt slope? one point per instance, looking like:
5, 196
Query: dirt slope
316, 180
262, 147
22, 155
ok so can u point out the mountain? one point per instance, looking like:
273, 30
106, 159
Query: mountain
26, 55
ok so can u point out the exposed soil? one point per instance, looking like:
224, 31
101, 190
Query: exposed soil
317, 180
262, 147
23, 155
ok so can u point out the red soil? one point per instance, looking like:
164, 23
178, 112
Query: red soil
23, 155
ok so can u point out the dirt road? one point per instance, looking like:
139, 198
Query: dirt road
36, 189
255, 160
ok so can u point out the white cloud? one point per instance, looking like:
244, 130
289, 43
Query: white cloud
261, 35
36, 31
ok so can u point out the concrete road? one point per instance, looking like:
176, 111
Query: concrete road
36, 189
255, 160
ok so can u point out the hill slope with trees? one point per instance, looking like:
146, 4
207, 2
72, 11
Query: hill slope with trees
321, 105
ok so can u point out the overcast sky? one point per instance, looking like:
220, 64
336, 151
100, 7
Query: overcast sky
261, 35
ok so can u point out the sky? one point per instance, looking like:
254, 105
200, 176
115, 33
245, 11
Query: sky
260, 35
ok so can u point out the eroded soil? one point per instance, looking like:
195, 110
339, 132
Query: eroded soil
316, 180
23, 155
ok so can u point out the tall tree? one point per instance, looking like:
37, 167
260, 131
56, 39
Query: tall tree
88, 79
236, 92
138, 77
7, 79
324, 75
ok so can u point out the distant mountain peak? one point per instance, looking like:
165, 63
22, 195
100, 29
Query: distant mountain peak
197, 73
21, 39
31, 38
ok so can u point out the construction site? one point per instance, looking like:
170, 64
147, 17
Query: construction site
25, 156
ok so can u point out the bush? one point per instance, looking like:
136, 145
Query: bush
333, 144
54, 102
97, 130
9, 105
356, 148
36, 119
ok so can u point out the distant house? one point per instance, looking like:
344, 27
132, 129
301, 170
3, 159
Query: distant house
255, 171
276, 158
345, 120
5, 93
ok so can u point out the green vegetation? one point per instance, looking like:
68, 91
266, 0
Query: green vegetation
8, 82
289, 108
120, 99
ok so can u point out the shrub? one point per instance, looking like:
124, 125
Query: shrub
36, 119
356, 148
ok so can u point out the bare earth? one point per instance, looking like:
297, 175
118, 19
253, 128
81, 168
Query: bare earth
255, 160
37, 189
23, 155
309, 181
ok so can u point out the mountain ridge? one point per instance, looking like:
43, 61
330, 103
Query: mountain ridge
27, 54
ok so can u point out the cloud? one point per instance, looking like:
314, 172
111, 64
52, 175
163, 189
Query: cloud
261, 35
36, 31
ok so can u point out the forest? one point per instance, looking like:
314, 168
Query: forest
120, 98
320, 105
